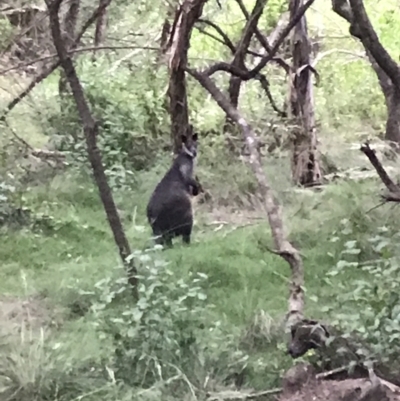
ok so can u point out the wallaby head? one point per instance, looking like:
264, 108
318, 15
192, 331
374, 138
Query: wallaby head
186, 159
189, 143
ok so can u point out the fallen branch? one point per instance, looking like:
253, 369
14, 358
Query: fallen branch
394, 190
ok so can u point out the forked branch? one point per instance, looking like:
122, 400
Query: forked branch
247, 75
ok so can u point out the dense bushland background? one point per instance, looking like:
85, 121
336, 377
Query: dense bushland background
214, 308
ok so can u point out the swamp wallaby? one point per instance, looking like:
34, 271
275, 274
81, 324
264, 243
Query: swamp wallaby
169, 210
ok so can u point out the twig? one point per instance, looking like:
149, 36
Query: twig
72, 51
320, 56
325, 375
375, 207
238, 395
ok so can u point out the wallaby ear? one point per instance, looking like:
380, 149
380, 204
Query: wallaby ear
194, 137
183, 138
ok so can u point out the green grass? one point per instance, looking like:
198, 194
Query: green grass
76, 250
71, 248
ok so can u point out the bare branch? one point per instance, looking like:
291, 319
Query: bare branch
100, 27
246, 76
265, 85
224, 36
45, 73
80, 50
262, 39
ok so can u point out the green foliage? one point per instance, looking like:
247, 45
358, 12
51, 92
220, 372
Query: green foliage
131, 111
370, 300
6, 32
169, 334
210, 310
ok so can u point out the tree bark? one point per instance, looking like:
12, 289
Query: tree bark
166, 29
386, 69
70, 21
239, 62
179, 43
101, 26
273, 210
91, 131
305, 158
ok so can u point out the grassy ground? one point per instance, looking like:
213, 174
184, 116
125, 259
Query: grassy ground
54, 271
72, 250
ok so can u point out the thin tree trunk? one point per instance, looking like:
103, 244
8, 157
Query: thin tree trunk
392, 102
179, 43
166, 30
101, 25
239, 62
91, 131
70, 21
305, 158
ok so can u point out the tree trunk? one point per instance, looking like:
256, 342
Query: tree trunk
166, 30
393, 120
239, 62
386, 69
392, 101
70, 21
101, 26
305, 158
91, 131
179, 43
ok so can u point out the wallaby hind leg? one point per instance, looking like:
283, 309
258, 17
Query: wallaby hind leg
167, 239
186, 239
186, 234
161, 238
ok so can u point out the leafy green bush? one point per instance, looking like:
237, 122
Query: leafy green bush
130, 108
371, 302
170, 335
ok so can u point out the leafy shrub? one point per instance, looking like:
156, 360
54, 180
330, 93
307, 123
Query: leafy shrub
170, 334
131, 112
372, 306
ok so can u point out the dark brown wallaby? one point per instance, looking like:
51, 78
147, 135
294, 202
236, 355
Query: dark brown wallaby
169, 210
